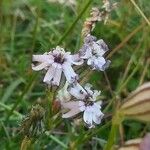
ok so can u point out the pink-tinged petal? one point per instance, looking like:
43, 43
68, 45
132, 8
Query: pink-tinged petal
98, 104
88, 88
87, 117
81, 103
67, 57
106, 65
85, 52
57, 76
97, 118
98, 63
89, 38
97, 115
77, 91
70, 75
90, 61
103, 45
55, 65
70, 105
43, 58
40, 66
96, 109
76, 60
71, 113
49, 75
101, 64
96, 94
82, 108
63, 94
98, 49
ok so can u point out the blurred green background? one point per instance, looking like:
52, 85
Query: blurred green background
36, 26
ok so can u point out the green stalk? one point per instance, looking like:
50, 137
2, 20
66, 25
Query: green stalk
50, 96
140, 11
64, 146
7, 107
75, 21
116, 120
112, 136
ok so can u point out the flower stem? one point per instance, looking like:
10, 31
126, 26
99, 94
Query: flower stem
26, 143
140, 11
50, 96
74, 23
112, 137
116, 120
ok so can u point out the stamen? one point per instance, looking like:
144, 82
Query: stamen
88, 101
59, 59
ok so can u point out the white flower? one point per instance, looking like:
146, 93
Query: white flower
56, 62
91, 111
94, 51
85, 102
98, 63
81, 93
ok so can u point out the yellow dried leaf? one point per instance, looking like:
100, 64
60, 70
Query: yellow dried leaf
26, 142
137, 105
131, 145
137, 144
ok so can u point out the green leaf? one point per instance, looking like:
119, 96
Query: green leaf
10, 89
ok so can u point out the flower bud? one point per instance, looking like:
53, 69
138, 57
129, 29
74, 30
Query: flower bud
33, 124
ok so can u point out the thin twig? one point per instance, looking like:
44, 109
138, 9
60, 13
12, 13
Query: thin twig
74, 23
126, 39
86, 77
121, 131
109, 84
140, 11
144, 72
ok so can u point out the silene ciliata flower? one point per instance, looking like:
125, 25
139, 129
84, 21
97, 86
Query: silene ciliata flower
55, 62
84, 100
93, 51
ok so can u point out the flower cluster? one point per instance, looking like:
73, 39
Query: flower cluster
60, 65
84, 101
98, 15
74, 98
55, 63
58, 62
93, 51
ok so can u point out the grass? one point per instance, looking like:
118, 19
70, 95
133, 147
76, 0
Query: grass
35, 26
